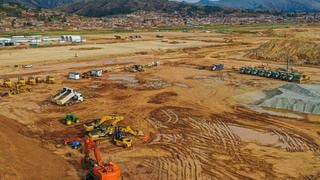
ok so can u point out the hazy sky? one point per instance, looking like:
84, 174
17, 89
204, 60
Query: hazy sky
193, 1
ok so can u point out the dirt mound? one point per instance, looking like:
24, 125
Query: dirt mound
299, 51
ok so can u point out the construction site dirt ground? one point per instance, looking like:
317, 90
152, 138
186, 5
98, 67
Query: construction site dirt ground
199, 128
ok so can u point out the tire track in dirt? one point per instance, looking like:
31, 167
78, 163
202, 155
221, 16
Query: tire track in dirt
193, 147
295, 143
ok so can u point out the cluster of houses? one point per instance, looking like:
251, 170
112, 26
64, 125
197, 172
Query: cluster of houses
36, 40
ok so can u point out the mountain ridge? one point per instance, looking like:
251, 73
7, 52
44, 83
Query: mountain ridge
269, 5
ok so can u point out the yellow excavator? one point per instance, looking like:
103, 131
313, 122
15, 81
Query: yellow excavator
91, 125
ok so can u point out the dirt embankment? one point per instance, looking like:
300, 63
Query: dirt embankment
298, 51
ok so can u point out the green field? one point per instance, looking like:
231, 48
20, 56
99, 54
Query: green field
226, 29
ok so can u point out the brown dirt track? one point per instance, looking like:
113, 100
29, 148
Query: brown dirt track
198, 128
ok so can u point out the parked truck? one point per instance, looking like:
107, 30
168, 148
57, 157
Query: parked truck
67, 96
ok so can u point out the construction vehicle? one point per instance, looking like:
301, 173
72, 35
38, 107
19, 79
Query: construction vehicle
279, 74
71, 119
21, 81
104, 131
91, 125
120, 138
50, 80
118, 37
96, 72
18, 89
97, 169
31, 81
7, 83
86, 75
216, 67
136, 68
39, 80
67, 96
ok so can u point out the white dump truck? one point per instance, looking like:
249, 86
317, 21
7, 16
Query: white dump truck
67, 96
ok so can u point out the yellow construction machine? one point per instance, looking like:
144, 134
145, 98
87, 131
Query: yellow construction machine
21, 81
39, 80
50, 80
7, 83
31, 81
121, 138
89, 126
18, 89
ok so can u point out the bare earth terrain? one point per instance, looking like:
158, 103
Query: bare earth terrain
199, 124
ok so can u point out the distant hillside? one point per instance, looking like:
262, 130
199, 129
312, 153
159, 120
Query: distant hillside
40, 3
12, 10
111, 7
271, 5
300, 51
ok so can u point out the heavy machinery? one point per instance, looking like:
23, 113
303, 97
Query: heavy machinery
39, 80
50, 80
280, 74
121, 138
136, 68
31, 81
97, 169
21, 81
213, 67
86, 75
67, 96
7, 83
71, 119
216, 67
19, 88
91, 125
103, 131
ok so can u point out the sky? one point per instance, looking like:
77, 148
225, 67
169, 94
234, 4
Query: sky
192, 1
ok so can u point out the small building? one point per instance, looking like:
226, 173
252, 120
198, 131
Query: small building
6, 42
74, 75
72, 38
97, 72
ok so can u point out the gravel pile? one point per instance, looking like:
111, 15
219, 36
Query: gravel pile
294, 97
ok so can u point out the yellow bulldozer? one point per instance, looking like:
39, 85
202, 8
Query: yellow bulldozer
7, 83
21, 81
18, 89
50, 80
31, 81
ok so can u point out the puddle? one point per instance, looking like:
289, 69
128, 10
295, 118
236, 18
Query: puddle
275, 138
250, 135
159, 84
123, 78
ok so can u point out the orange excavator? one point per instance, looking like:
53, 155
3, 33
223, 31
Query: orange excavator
98, 170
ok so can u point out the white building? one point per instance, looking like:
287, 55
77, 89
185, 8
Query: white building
72, 38
6, 42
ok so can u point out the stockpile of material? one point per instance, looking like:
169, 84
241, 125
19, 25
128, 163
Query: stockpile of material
294, 97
